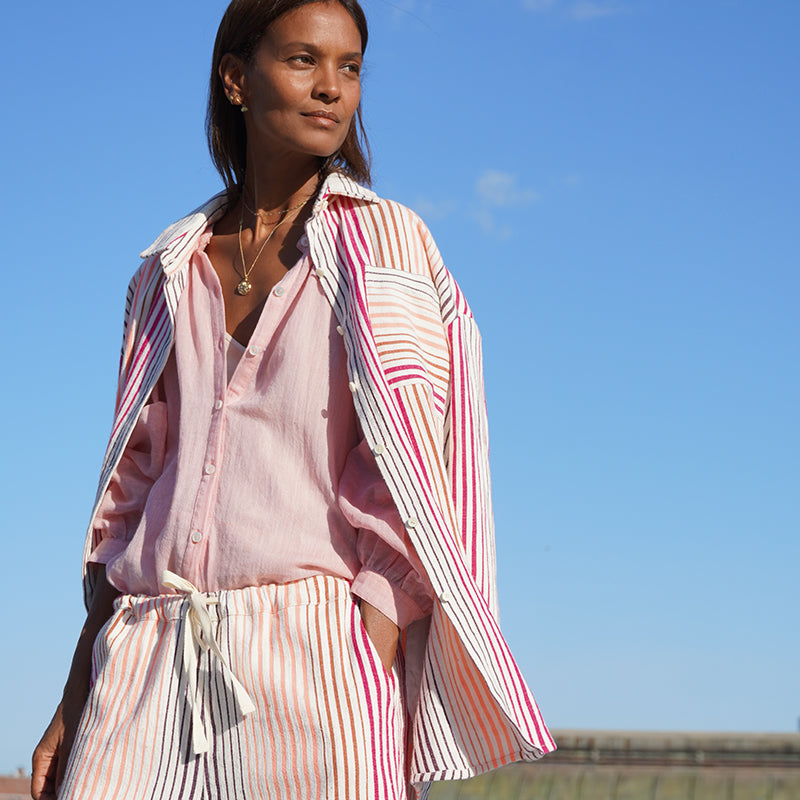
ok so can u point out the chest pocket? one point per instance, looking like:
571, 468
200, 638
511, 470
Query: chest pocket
407, 325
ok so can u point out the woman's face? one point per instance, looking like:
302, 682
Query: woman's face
303, 86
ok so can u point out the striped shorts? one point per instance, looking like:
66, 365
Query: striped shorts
279, 693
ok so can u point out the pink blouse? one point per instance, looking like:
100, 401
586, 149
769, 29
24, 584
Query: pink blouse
261, 478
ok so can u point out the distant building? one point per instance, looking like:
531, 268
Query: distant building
609, 765
15, 787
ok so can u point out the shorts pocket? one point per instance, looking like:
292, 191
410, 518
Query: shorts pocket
367, 646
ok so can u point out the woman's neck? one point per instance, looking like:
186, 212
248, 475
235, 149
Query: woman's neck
277, 184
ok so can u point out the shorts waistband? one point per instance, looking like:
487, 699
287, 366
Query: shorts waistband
270, 598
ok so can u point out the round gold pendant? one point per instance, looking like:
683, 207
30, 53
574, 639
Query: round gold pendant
244, 287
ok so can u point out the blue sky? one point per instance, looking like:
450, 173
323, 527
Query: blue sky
616, 187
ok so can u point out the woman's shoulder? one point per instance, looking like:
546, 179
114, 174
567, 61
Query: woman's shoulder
370, 204
389, 225
188, 226
171, 247
398, 239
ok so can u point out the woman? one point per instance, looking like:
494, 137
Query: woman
297, 477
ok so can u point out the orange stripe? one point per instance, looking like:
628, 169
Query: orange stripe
325, 681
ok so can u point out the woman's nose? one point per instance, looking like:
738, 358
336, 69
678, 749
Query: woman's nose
326, 86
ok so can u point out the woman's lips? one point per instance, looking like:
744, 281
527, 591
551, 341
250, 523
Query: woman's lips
326, 119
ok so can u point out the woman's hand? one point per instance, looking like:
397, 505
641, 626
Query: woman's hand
382, 632
50, 755
44, 774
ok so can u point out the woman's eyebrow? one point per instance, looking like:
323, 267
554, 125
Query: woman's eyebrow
316, 48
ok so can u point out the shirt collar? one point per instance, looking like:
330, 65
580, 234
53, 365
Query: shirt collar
182, 234
337, 183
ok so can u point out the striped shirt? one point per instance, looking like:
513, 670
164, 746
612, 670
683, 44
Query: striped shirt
414, 368
195, 492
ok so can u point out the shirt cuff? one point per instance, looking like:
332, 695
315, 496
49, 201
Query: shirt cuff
387, 598
107, 551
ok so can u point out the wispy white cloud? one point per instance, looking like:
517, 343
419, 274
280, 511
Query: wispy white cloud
433, 209
594, 9
495, 193
496, 188
489, 225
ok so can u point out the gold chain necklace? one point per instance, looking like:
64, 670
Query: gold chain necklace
258, 212
244, 285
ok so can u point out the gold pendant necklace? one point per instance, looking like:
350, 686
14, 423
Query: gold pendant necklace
244, 286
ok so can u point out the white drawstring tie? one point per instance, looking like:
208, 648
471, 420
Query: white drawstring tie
198, 621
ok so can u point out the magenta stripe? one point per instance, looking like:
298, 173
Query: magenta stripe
153, 336
370, 676
353, 223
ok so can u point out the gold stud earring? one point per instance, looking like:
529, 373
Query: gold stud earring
244, 108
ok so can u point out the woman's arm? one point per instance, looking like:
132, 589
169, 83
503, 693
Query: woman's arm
50, 755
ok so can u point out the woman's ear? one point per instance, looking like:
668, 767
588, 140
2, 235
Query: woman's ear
232, 75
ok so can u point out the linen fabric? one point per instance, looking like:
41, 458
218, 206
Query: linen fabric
414, 367
262, 478
328, 719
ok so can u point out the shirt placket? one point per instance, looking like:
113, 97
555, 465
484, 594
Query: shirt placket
196, 554
202, 523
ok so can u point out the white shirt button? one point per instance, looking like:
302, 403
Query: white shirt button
340, 330
303, 242
196, 536
278, 291
446, 597
253, 350
218, 405
378, 450
411, 522
353, 387
210, 469
320, 272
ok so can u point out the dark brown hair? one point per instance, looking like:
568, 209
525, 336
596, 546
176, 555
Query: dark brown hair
242, 28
